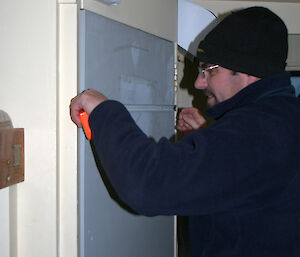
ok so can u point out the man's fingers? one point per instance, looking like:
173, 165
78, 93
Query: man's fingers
190, 118
192, 122
86, 101
74, 111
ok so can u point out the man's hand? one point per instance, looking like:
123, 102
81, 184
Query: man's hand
190, 119
85, 101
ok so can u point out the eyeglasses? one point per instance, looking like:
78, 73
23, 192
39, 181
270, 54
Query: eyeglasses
202, 68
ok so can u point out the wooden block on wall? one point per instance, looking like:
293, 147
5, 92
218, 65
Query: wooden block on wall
11, 156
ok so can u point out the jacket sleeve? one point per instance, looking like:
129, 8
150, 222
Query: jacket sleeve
211, 170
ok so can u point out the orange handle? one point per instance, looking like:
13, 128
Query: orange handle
84, 118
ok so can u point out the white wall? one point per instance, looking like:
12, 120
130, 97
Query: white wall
4, 221
289, 12
28, 93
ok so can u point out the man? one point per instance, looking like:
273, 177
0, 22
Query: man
237, 180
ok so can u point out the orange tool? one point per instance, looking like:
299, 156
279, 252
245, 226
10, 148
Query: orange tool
84, 118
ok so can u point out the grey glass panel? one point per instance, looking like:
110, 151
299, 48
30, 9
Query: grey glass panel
128, 64
135, 68
155, 123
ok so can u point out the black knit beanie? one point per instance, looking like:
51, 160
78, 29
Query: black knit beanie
251, 41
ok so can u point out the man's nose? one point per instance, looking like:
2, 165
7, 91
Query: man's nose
200, 83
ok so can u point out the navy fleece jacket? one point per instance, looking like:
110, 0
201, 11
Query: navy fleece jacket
238, 180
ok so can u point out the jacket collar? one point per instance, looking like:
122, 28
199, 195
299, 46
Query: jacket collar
278, 84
